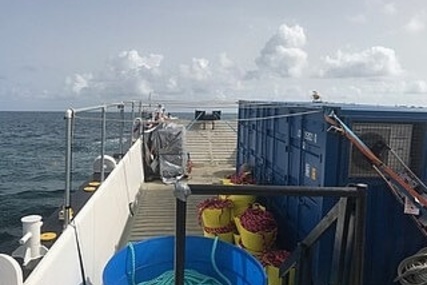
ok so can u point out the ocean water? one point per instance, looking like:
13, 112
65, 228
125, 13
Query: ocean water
32, 162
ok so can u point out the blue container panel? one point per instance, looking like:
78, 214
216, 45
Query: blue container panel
243, 138
287, 232
309, 214
258, 171
391, 236
270, 151
281, 157
261, 145
242, 156
252, 158
279, 178
252, 135
296, 128
313, 125
268, 175
252, 116
260, 119
244, 128
313, 168
295, 170
310, 148
290, 211
281, 125
269, 120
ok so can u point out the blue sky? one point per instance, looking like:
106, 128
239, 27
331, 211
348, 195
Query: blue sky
54, 54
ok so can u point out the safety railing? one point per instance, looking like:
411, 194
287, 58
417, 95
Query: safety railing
192, 122
70, 117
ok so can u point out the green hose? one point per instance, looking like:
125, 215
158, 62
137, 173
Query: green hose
192, 277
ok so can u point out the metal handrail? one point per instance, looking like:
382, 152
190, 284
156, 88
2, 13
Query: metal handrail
350, 236
70, 116
230, 126
192, 122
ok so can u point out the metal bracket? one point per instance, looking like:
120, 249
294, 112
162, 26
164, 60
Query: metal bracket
182, 191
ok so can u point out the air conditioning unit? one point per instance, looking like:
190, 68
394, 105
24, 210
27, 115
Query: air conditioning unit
377, 136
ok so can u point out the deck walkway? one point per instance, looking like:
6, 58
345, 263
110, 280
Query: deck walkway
213, 153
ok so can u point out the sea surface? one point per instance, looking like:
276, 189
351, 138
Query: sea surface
32, 162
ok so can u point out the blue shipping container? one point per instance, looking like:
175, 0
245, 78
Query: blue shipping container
292, 146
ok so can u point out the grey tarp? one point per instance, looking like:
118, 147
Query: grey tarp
168, 151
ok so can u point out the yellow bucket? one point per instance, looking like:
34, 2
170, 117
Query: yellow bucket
216, 218
240, 202
236, 239
226, 181
256, 254
235, 212
255, 241
227, 237
273, 275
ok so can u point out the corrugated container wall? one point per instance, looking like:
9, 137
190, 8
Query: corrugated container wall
289, 144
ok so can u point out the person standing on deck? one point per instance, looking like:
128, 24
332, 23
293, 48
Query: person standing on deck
159, 113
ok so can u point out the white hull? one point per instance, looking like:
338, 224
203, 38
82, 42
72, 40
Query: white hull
99, 227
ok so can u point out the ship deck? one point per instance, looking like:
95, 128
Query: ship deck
213, 153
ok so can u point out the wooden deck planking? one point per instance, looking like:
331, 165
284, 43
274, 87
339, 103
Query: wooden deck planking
155, 215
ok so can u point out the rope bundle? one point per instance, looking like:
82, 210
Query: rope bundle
191, 277
413, 270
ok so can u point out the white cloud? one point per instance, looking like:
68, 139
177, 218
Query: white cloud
282, 55
225, 61
78, 82
389, 9
416, 87
215, 78
395, 87
382, 92
285, 62
292, 37
127, 73
359, 19
143, 87
416, 24
373, 62
131, 61
199, 70
131, 73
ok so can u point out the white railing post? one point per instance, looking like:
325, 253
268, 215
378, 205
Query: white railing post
69, 117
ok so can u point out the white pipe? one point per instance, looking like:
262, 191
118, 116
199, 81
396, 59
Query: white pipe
25, 238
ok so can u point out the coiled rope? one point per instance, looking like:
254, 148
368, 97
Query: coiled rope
413, 270
192, 277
